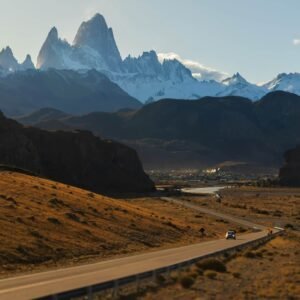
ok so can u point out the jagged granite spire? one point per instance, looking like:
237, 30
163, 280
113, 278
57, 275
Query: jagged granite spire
53, 52
27, 64
7, 60
96, 35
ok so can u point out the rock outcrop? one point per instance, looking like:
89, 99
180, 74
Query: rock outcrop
289, 174
76, 158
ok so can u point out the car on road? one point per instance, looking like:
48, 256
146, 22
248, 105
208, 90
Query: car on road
230, 234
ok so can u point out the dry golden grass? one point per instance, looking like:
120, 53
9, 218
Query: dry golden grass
268, 206
274, 273
47, 224
188, 218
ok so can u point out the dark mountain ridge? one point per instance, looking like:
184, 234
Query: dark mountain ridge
199, 132
289, 174
76, 158
73, 92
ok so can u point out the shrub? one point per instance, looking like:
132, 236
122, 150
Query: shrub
242, 229
259, 254
174, 277
210, 274
194, 274
289, 226
236, 275
36, 234
54, 220
187, 281
212, 264
250, 254
160, 279
200, 272
72, 216
56, 202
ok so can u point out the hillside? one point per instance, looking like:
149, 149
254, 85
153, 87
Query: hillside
289, 174
175, 133
77, 158
45, 221
47, 224
73, 92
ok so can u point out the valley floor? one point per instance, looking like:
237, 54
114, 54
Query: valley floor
271, 271
46, 225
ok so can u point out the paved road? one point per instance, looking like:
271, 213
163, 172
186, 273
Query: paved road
53, 282
219, 215
204, 190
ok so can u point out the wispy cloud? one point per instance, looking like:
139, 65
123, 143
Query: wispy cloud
199, 71
296, 42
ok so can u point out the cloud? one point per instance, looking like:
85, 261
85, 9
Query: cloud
199, 71
296, 42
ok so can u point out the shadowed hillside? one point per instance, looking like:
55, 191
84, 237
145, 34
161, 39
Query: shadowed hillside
289, 174
76, 158
43, 221
176, 133
24, 92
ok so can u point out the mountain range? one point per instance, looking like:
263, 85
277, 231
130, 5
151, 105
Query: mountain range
145, 78
199, 133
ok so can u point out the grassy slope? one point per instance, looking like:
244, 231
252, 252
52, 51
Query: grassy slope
271, 273
268, 206
46, 224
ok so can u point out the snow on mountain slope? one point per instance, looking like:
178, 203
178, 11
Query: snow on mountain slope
150, 88
143, 77
57, 54
94, 47
198, 70
239, 86
8, 62
285, 82
147, 77
95, 34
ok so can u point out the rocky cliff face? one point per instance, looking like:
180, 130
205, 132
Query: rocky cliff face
289, 174
9, 63
76, 158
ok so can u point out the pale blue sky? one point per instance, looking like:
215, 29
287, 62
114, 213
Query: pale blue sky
254, 37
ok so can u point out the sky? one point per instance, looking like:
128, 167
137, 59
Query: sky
258, 38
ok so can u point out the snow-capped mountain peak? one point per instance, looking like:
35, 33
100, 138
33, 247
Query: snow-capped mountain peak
54, 53
8, 63
237, 78
237, 85
147, 77
7, 60
53, 34
96, 35
176, 71
285, 82
27, 63
146, 64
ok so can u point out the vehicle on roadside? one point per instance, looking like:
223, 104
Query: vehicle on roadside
230, 234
